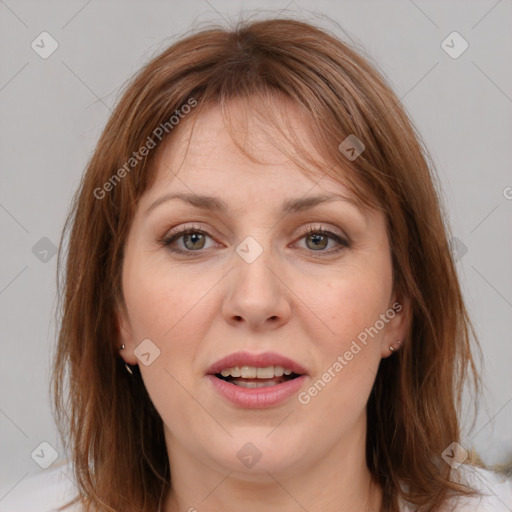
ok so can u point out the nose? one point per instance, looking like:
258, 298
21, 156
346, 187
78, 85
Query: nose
256, 297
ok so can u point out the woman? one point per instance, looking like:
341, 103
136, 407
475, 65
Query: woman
260, 308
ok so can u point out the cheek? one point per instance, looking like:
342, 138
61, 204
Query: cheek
161, 299
167, 307
345, 305
349, 305
347, 366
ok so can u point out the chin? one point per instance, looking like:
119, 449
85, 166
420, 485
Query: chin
255, 453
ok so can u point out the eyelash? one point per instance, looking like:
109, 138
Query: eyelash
167, 240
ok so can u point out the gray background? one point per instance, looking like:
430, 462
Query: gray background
52, 112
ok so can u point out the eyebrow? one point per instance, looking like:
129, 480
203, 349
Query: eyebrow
217, 205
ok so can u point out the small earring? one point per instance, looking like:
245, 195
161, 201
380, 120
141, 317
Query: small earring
126, 365
393, 349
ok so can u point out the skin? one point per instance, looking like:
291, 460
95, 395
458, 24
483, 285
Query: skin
205, 304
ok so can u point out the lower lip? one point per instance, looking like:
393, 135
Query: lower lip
257, 398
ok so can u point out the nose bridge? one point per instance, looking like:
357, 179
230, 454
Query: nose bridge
253, 262
256, 294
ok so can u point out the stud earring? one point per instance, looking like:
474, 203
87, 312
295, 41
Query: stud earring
393, 349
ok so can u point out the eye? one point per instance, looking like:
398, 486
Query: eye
317, 239
192, 239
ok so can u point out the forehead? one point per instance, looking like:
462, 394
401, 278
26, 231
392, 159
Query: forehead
237, 152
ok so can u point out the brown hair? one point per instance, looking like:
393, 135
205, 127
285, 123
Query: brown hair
115, 434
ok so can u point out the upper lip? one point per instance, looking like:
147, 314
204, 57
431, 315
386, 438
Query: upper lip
261, 360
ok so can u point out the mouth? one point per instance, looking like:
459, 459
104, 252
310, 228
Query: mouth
253, 377
250, 380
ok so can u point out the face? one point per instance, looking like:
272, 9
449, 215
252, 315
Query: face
307, 288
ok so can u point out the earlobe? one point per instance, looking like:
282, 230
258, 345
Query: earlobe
124, 338
395, 347
397, 328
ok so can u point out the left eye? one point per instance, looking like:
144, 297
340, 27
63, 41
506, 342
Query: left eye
318, 239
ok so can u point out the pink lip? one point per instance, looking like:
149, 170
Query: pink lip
258, 360
257, 398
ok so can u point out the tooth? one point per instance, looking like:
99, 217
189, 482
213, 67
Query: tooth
265, 373
278, 371
248, 372
251, 372
254, 384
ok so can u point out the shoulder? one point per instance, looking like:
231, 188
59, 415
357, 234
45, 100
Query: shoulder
43, 491
495, 491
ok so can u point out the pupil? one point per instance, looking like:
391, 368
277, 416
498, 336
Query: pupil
194, 237
318, 238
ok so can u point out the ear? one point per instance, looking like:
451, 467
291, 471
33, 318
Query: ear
397, 328
125, 336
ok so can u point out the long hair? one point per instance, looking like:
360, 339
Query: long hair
106, 418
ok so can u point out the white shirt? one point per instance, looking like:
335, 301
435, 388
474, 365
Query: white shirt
47, 490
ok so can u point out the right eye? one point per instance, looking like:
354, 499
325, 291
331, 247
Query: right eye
192, 240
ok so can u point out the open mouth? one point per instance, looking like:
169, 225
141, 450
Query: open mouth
258, 381
252, 377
